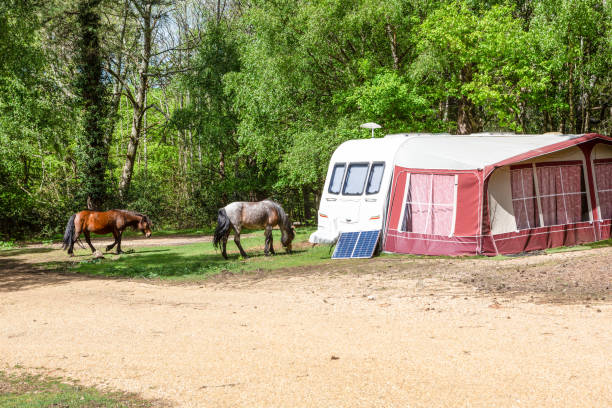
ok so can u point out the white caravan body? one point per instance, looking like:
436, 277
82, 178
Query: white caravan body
356, 188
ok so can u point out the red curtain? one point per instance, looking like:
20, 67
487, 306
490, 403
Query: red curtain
524, 199
561, 194
603, 178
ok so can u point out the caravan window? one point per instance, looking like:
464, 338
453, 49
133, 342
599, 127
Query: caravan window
355, 179
376, 173
336, 178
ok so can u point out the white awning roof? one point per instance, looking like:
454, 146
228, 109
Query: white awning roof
467, 152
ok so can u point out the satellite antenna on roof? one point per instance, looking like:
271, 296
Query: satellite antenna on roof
371, 125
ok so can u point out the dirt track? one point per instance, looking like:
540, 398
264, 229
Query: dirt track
392, 335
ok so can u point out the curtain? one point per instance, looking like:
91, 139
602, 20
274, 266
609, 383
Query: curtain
562, 194
429, 204
524, 201
603, 177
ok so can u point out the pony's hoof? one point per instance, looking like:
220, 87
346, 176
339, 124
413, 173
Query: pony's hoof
98, 255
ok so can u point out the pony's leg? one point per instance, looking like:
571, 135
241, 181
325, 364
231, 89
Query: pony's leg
237, 241
77, 233
272, 243
268, 235
86, 233
111, 246
119, 251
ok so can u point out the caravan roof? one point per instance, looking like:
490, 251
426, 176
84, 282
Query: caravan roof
379, 149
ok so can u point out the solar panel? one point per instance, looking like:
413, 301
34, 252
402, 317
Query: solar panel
358, 244
345, 245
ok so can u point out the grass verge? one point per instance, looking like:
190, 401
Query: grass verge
202, 260
31, 391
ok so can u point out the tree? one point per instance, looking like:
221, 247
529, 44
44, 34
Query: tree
93, 142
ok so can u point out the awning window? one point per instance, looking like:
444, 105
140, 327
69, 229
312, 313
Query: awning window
430, 204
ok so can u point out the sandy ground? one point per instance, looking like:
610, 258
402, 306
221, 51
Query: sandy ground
392, 335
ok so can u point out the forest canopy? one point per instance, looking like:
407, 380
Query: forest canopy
175, 108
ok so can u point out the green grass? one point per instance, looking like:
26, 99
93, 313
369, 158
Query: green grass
201, 260
7, 244
31, 391
582, 247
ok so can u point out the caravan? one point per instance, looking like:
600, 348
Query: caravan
487, 193
356, 190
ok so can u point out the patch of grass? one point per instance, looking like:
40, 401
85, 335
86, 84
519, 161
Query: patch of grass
7, 244
26, 390
201, 260
582, 247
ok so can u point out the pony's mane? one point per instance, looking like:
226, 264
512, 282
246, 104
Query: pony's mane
136, 214
284, 218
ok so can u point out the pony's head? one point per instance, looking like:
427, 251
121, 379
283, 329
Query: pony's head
287, 235
145, 226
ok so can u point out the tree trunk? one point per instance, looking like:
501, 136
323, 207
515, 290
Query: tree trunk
571, 119
393, 44
467, 117
92, 146
115, 102
307, 204
139, 103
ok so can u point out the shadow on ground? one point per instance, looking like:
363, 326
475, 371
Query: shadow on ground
15, 274
28, 268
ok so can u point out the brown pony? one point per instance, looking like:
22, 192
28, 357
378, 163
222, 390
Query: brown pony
103, 222
242, 214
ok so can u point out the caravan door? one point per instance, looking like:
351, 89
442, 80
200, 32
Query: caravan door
351, 199
373, 200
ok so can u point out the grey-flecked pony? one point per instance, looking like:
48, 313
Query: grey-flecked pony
253, 215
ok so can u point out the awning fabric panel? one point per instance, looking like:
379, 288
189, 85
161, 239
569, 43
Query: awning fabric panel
603, 177
428, 212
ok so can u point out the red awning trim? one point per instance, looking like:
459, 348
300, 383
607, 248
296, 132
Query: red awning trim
546, 150
543, 230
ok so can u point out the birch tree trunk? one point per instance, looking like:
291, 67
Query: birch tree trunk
139, 100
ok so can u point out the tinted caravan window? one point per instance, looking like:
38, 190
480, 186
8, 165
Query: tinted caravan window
355, 179
375, 179
336, 178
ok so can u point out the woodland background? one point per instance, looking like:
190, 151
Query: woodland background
175, 108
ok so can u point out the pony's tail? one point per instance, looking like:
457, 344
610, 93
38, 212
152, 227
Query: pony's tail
69, 234
223, 227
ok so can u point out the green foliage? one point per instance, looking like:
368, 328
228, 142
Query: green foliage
34, 128
251, 102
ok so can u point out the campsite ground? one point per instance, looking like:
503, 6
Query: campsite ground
392, 331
